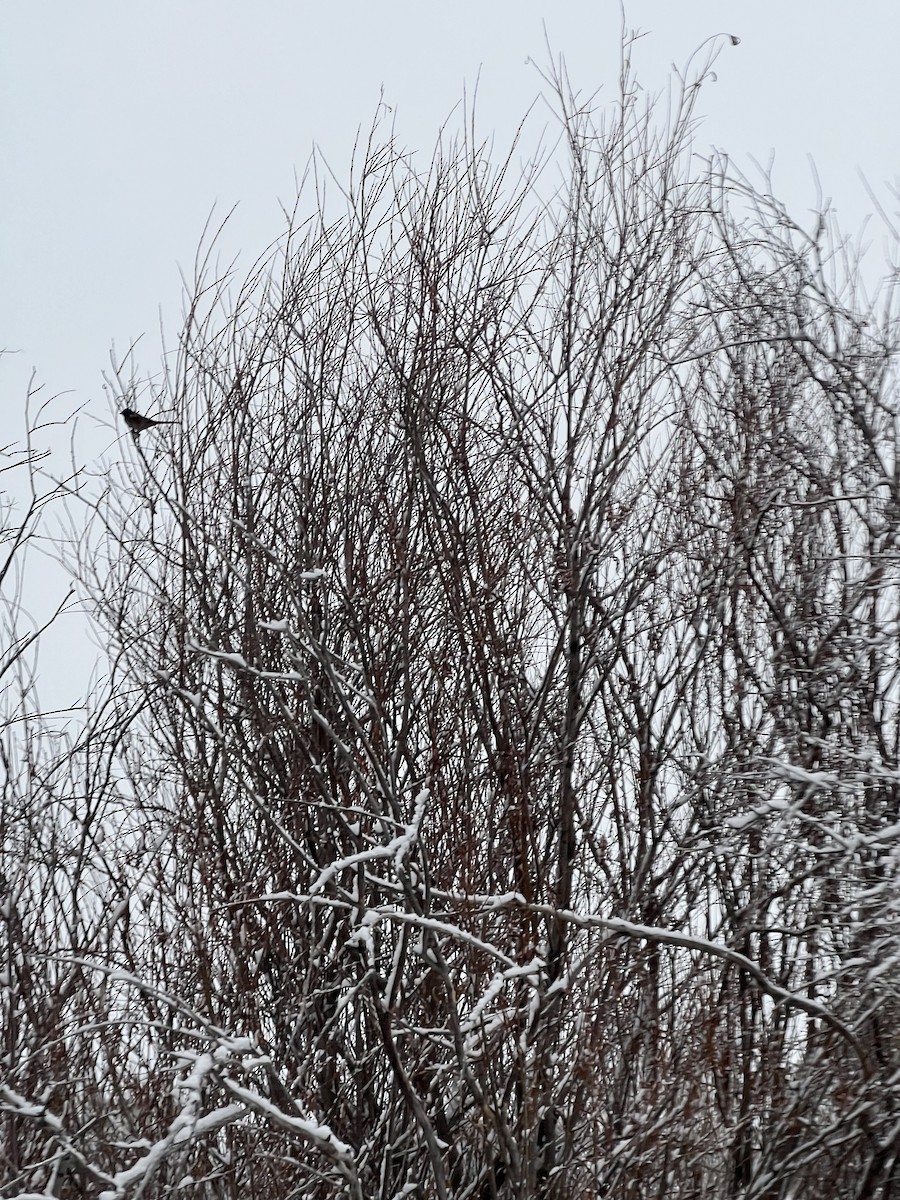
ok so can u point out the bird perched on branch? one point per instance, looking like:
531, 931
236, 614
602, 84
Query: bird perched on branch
137, 422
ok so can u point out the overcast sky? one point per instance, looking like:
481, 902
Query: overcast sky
124, 123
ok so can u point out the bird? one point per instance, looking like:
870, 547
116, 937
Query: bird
137, 422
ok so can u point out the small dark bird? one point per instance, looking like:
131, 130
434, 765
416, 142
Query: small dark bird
137, 422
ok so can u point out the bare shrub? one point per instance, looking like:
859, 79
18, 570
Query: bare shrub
504, 714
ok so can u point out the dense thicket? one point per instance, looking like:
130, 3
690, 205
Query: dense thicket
496, 790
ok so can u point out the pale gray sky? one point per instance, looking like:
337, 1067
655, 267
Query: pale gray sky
123, 123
